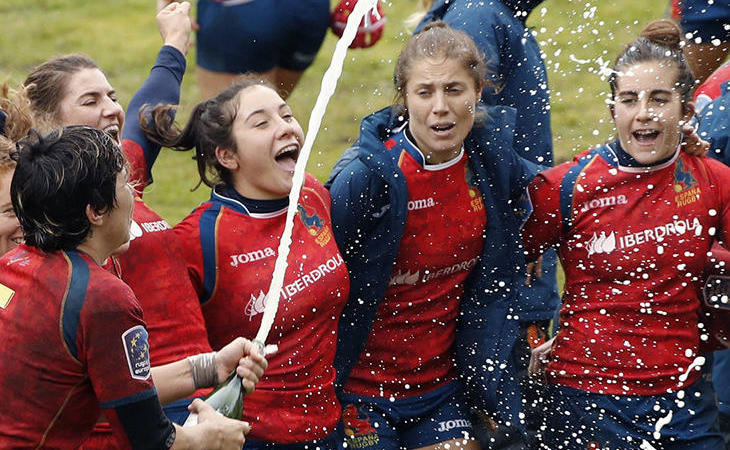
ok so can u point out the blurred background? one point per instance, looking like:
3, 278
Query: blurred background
578, 38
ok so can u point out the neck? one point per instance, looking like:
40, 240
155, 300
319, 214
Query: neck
433, 158
95, 250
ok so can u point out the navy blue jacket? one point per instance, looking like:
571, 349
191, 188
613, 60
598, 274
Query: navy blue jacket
519, 80
369, 209
715, 126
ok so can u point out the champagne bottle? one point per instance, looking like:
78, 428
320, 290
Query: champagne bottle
226, 398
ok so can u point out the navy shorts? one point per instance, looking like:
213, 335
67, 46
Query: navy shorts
706, 20
239, 36
412, 422
330, 442
578, 419
721, 378
177, 411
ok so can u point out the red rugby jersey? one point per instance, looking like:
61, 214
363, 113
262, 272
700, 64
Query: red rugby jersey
155, 269
73, 337
408, 351
633, 243
230, 255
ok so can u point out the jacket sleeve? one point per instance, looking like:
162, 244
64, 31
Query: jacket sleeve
161, 87
495, 139
715, 127
542, 229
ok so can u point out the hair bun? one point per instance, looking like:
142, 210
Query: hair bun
663, 32
434, 24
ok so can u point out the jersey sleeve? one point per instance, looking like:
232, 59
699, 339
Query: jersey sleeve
187, 234
161, 87
542, 229
112, 343
721, 175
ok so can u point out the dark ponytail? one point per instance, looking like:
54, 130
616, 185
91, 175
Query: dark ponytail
210, 126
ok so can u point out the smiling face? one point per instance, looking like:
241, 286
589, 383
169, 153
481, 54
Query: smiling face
441, 99
10, 233
648, 111
88, 99
268, 140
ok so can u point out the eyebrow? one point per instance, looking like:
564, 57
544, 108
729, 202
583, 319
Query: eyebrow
447, 84
654, 92
262, 110
97, 93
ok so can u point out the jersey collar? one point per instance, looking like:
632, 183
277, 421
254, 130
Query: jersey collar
617, 157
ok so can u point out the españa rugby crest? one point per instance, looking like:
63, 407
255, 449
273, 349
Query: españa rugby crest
315, 225
138, 352
685, 185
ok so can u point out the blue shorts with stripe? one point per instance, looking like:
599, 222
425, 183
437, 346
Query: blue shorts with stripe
411, 422
686, 419
239, 36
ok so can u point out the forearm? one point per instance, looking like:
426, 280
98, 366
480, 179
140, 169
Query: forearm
173, 381
161, 87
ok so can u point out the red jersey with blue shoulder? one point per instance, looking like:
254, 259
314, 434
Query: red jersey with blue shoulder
230, 254
633, 243
73, 340
408, 351
154, 267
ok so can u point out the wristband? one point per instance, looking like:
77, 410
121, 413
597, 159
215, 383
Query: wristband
203, 370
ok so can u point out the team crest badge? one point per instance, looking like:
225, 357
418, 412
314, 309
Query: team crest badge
312, 222
138, 352
477, 204
358, 429
685, 185
315, 225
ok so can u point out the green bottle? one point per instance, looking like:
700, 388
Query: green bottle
226, 398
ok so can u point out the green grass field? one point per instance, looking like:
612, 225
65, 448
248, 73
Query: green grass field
577, 36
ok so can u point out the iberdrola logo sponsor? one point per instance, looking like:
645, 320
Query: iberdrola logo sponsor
601, 243
256, 305
406, 277
135, 231
606, 243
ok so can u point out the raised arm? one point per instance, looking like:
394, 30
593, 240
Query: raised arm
161, 86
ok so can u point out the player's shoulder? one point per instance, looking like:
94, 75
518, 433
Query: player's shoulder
716, 172
107, 291
192, 220
314, 192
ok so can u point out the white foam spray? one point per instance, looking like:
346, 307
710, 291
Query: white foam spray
329, 83
696, 364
